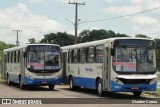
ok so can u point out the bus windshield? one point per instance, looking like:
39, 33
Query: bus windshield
134, 60
43, 61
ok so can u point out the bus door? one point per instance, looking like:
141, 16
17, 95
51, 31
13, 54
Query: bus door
22, 65
106, 66
64, 67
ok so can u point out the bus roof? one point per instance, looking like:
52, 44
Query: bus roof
24, 46
99, 42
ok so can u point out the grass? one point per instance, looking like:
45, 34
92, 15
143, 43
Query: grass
158, 90
158, 77
1, 80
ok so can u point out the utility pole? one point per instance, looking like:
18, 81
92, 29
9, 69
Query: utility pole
76, 17
17, 42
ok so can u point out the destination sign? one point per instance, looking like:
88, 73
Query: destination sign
42, 48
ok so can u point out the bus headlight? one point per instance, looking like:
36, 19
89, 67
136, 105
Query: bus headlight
29, 76
152, 81
119, 81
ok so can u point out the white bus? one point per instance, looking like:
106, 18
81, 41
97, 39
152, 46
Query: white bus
33, 64
117, 64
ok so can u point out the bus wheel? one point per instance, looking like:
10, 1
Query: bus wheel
99, 88
51, 87
8, 80
71, 83
72, 87
137, 93
21, 85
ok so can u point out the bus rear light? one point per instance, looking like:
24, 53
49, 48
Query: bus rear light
119, 81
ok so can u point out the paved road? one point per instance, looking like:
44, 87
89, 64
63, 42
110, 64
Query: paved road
63, 91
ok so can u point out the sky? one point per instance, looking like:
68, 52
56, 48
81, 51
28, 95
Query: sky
39, 17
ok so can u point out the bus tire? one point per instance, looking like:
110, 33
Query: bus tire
72, 87
137, 93
21, 85
8, 80
51, 87
99, 88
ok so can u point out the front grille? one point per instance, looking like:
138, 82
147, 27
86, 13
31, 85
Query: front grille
43, 74
135, 81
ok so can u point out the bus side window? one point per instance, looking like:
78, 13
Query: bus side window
75, 56
78, 55
72, 58
8, 56
90, 55
5, 58
11, 57
15, 56
18, 58
69, 56
82, 55
99, 54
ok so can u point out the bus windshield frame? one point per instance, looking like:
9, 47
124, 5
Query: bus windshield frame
134, 57
43, 58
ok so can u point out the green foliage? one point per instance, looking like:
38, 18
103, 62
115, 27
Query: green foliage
32, 40
158, 51
4, 46
158, 45
87, 35
141, 36
1, 80
158, 77
158, 90
62, 39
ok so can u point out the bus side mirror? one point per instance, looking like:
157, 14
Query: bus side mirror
112, 52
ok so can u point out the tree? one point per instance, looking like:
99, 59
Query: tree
87, 35
62, 39
121, 35
32, 40
3, 46
158, 51
141, 36
157, 43
158, 46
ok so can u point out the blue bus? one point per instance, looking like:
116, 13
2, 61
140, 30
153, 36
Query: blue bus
123, 64
33, 64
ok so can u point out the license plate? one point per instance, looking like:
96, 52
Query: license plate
135, 88
44, 82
